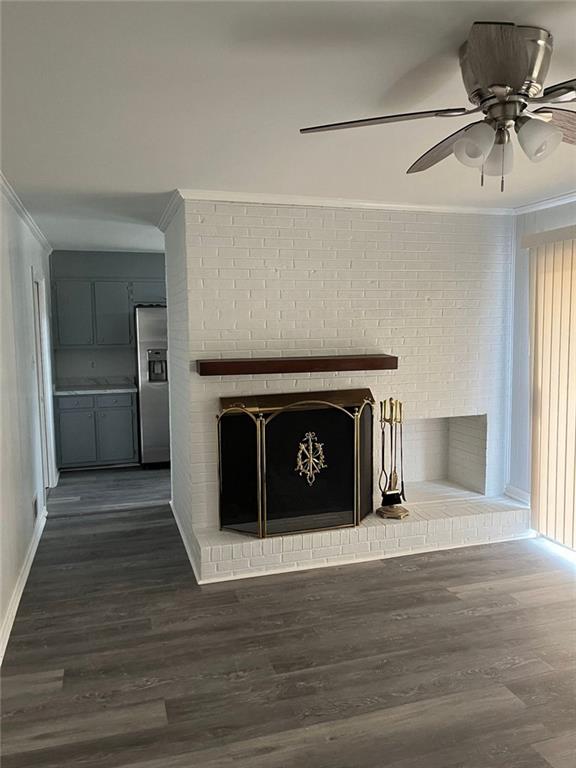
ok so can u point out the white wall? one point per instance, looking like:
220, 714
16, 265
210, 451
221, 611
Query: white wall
181, 435
265, 280
467, 452
527, 223
23, 249
426, 443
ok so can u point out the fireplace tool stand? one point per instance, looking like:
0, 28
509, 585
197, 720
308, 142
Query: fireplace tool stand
391, 484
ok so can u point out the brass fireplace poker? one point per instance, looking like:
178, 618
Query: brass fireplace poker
391, 484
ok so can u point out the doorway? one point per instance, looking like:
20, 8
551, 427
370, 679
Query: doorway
111, 384
43, 382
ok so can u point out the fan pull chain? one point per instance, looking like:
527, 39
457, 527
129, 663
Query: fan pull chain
482, 176
502, 171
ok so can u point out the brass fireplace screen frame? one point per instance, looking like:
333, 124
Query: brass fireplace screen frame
262, 410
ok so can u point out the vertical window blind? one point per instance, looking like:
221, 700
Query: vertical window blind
553, 341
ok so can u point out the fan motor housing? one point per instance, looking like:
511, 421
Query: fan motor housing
539, 44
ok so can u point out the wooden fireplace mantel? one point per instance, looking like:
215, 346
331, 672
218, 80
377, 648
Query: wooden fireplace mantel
269, 365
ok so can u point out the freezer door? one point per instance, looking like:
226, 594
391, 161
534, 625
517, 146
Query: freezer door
152, 346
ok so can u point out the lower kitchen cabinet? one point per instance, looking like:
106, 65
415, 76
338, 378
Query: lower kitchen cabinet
77, 437
115, 434
96, 430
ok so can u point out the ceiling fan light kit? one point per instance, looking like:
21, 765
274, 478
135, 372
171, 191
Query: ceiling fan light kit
503, 68
537, 138
475, 145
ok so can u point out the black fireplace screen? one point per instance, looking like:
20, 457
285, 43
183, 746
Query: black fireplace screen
289, 464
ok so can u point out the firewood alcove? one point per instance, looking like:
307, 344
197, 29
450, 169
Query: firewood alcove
295, 462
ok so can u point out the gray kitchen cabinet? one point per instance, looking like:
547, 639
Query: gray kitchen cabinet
94, 298
96, 430
77, 437
75, 402
149, 292
112, 311
74, 312
114, 400
115, 435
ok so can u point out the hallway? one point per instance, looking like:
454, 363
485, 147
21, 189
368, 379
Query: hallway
118, 658
99, 490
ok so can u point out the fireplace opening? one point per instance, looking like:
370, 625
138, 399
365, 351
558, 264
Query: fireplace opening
293, 463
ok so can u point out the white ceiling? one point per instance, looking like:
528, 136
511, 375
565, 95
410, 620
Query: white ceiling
108, 107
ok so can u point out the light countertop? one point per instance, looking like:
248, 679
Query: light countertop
95, 386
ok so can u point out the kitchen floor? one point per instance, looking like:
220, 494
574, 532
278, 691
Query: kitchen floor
119, 659
104, 490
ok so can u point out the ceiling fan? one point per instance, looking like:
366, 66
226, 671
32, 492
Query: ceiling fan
503, 67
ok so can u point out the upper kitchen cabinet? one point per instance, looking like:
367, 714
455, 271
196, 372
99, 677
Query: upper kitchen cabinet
95, 295
149, 292
74, 307
112, 313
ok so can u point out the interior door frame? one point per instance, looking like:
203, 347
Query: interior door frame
43, 367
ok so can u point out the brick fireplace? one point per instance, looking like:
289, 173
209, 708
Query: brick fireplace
295, 463
277, 279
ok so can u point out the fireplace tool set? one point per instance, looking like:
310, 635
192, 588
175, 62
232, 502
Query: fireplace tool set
390, 481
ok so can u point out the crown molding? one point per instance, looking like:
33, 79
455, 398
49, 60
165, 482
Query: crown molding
550, 202
179, 196
24, 214
172, 206
270, 198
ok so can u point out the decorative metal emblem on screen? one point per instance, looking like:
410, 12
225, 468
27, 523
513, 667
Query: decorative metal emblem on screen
310, 458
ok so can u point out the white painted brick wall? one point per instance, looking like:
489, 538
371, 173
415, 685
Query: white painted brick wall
426, 445
430, 526
179, 381
467, 452
264, 280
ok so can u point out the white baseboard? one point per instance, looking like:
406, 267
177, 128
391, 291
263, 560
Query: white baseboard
517, 494
184, 537
8, 620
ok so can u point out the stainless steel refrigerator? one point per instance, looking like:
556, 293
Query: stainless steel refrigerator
152, 348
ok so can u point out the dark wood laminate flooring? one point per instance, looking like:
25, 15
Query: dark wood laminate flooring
456, 659
101, 490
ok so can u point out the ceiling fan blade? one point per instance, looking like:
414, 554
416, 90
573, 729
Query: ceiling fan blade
565, 119
440, 151
563, 92
497, 54
457, 112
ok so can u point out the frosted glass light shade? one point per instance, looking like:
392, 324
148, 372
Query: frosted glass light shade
500, 160
538, 139
475, 145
